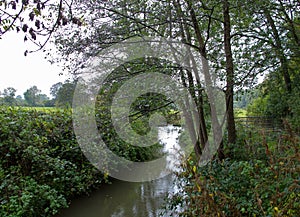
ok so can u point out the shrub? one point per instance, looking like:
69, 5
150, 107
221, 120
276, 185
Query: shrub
42, 167
262, 185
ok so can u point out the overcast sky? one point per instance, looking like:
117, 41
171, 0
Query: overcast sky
22, 72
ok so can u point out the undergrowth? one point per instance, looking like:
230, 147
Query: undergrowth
42, 166
260, 179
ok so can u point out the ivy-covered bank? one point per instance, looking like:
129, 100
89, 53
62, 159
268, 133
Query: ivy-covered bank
41, 166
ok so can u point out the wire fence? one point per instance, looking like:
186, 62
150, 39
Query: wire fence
261, 122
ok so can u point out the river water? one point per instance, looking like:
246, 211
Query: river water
130, 199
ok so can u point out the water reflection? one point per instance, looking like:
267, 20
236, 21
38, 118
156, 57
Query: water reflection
168, 136
129, 199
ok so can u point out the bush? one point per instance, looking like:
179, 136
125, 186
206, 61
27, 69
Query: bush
266, 184
294, 117
41, 166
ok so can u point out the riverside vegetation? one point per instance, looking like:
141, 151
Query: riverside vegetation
254, 174
261, 178
42, 167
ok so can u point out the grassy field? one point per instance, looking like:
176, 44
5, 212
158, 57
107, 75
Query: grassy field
44, 109
239, 112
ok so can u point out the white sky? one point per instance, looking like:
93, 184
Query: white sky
22, 72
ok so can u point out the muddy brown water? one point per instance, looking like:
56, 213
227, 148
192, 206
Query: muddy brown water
129, 199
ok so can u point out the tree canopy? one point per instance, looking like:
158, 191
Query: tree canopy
238, 42
38, 20
246, 50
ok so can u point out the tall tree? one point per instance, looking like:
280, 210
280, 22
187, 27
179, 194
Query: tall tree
31, 96
9, 96
55, 88
171, 19
231, 39
229, 73
64, 93
279, 50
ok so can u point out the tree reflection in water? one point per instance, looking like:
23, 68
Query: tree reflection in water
128, 199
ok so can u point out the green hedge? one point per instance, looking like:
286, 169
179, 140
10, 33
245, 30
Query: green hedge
41, 166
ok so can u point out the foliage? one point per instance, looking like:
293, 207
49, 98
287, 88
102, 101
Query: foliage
294, 103
34, 97
55, 88
41, 165
274, 101
37, 20
252, 40
237, 41
258, 106
238, 112
64, 93
139, 115
8, 96
243, 98
261, 179
279, 93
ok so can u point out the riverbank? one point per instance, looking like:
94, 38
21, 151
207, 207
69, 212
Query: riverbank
42, 167
259, 177
121, 198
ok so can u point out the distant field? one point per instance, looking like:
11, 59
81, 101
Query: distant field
238, 112
44, 109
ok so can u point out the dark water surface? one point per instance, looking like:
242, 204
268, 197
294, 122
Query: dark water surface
122, 199
129, 199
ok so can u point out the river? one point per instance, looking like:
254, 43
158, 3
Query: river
130, 199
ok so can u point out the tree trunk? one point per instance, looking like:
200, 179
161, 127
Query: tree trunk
229, 75
279, 52
217, 131
196, 93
